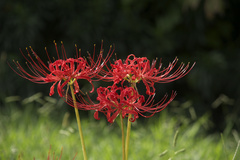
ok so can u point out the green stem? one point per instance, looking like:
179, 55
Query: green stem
133, 85
78, 122
128, 136
123, 139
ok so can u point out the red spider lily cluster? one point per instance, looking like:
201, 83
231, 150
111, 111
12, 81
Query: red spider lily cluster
63, 70
136, 69
117, 99
125, 100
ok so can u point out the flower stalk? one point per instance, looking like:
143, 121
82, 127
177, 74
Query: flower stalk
78, 121
123, 138
128, 135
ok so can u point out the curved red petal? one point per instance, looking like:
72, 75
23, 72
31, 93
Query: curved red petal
96, 115
52, 89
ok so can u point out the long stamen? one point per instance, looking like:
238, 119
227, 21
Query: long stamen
48, 55
56, 49
64, 54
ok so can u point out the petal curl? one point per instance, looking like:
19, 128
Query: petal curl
52, 89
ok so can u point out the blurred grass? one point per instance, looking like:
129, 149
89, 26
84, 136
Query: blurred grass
28, 131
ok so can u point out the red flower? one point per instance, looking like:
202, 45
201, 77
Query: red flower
135, 69
62, 71
116, 100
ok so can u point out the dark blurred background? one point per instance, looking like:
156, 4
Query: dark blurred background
201, 31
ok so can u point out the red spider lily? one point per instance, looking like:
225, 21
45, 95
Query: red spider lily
116, 100
62, 71
135, 69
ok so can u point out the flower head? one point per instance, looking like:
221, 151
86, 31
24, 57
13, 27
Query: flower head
135, 69
124, 101
63, 70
